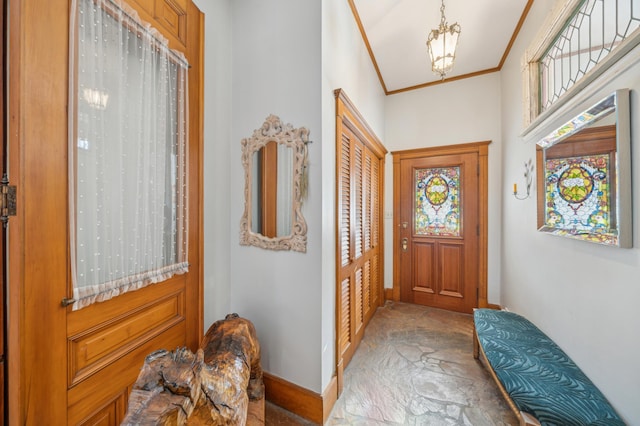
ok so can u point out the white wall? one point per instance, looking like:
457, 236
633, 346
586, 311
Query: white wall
217, 136
276, 70
263, 58
346, 65
583, 295
447, 114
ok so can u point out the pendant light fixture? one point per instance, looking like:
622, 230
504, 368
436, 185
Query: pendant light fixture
442, 43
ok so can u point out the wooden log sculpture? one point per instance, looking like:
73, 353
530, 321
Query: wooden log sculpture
212, 386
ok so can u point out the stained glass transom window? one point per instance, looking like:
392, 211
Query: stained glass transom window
437, 203
578, 196
596, 28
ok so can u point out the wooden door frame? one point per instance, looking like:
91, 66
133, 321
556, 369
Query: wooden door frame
482, 150
36, 329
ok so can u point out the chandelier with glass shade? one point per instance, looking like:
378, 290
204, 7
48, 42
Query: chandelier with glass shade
442, 43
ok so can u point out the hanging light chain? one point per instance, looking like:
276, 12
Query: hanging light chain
443, 22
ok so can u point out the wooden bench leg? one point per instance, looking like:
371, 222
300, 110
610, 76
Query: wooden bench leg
476, 344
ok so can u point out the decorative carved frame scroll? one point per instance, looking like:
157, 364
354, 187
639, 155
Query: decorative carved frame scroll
273, 130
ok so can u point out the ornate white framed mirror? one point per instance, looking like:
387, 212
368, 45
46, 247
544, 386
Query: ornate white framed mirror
275, 170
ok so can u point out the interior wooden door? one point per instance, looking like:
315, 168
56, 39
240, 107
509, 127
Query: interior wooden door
360, 188
77, 367
438, 235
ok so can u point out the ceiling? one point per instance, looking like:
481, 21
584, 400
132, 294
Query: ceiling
395, 32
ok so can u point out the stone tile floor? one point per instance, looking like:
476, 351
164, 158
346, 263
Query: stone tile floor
415, 366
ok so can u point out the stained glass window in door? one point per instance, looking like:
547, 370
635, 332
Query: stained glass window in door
578, 194
437, 202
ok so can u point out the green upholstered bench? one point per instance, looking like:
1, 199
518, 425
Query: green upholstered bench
541, 384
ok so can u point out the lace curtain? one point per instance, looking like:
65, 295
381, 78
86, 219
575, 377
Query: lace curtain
127, 153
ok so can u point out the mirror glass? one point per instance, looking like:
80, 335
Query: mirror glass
275, 164
584, 173
272, 190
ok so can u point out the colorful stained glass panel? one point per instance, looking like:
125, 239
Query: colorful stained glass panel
578, 195
437, 202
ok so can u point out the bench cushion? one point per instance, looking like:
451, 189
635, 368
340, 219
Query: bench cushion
538, 376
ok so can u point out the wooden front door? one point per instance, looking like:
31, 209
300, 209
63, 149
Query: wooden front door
77, 367
437, 240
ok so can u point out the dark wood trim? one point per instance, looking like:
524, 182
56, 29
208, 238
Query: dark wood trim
351, 114
483, 222
356, 16
463, 148
200, 129
301, 401
446, 80
388, 294
329, 398
482, 149
525, 12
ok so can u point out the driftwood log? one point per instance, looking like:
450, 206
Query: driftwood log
212, 386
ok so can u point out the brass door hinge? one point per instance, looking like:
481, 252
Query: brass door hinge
7, 200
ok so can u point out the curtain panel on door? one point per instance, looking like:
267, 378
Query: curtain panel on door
127, 155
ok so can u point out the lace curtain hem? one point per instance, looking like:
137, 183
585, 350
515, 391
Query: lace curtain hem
86, 296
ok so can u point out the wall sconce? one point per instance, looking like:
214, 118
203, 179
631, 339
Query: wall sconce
528, 176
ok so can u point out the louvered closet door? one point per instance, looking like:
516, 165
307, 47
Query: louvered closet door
359, 246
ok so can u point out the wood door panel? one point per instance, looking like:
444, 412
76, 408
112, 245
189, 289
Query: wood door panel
111, 414
118, 375
146, 5
169, 16
99, 314
451, 269
97, 347
172, 17
424, 264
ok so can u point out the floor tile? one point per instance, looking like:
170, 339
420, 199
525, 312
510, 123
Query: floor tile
414, 366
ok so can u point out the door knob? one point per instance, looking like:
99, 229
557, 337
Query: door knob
405, 243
